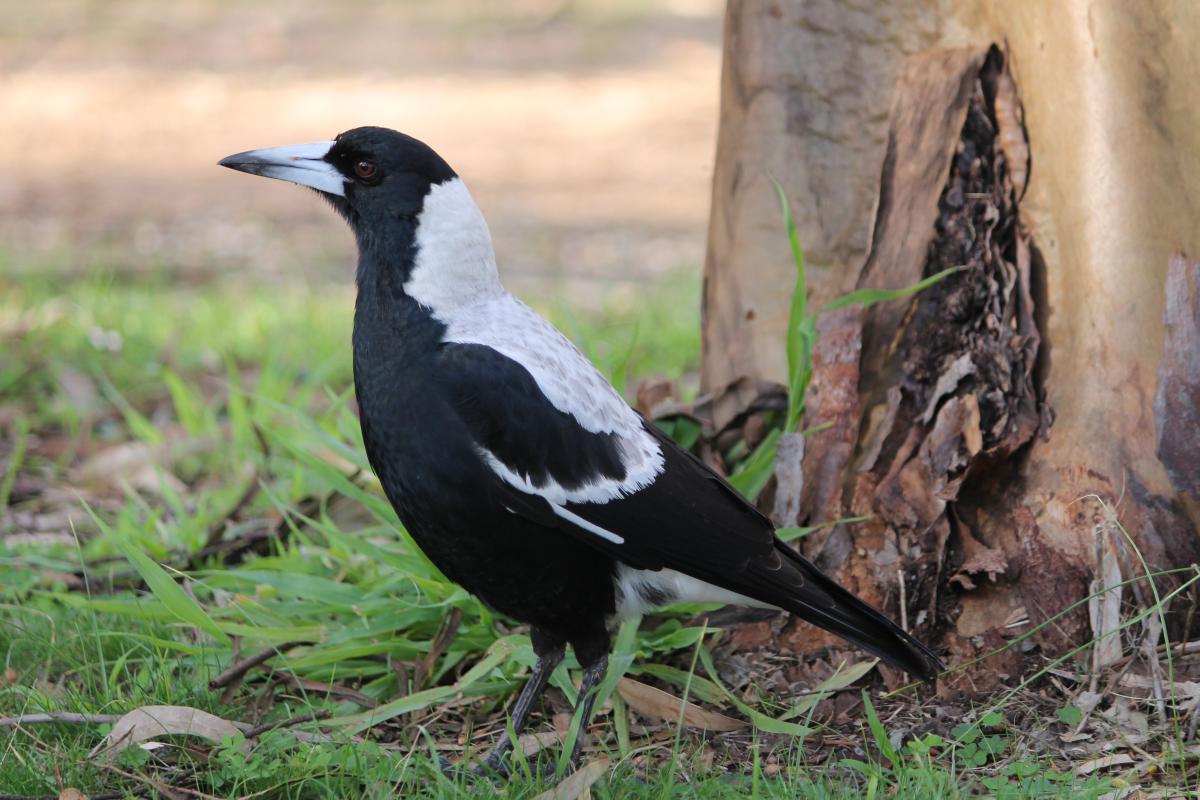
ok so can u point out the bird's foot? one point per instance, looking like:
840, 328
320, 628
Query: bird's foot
494, 767
458, 772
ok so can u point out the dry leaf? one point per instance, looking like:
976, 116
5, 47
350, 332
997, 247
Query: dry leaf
653, 393
578, 784
1124, 712
1114, 760
1087, 701
71, 793
978, 558
143, 466
651, 702
531, 743
149, 721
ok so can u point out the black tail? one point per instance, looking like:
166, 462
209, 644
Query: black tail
808, 593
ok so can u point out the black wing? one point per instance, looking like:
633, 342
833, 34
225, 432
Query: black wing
686, 518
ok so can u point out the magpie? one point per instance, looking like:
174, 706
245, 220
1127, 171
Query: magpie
513, 464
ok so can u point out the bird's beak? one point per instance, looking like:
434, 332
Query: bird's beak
304, 164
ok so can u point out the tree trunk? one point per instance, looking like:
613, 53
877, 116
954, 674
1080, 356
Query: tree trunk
1000, 426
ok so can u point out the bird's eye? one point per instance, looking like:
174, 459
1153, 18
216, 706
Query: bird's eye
365, 169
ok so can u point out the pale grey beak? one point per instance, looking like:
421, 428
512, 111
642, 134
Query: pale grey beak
304, 164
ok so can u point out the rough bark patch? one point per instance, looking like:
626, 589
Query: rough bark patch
946, 390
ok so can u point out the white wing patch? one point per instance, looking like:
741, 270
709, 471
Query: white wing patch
569, 381
572, 385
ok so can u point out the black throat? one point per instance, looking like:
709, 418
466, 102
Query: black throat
395, 340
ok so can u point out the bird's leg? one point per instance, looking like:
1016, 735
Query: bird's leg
548, 659
592, 676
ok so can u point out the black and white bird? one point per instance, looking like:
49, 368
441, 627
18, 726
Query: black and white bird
514, 465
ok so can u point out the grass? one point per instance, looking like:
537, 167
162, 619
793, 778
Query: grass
238, 397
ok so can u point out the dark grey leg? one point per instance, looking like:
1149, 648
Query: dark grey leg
587, 696
542, 669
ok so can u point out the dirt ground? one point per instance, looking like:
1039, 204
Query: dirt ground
586, 129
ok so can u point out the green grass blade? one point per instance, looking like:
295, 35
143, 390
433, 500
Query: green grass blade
869, 297
161, 585
20, 439
791, 534
757, 469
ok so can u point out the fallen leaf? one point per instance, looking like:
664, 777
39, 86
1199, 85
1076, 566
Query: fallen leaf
150, 721
652, 393
978, 558
578, 784
1113, 760
652, 702
1124, 712
531, 743
142, 465
71, 793
1087, 701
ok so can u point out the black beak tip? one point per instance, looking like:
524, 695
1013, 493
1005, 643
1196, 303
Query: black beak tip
236, 161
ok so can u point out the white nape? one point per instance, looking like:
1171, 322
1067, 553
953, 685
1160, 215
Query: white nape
455, 266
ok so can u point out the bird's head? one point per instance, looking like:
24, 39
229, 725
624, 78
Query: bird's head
372, 175
413, 218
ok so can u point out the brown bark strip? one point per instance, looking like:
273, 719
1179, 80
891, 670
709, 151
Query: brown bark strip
1177, 401
926, 119
832, 400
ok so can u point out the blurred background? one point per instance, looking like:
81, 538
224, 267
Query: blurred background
585, 128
